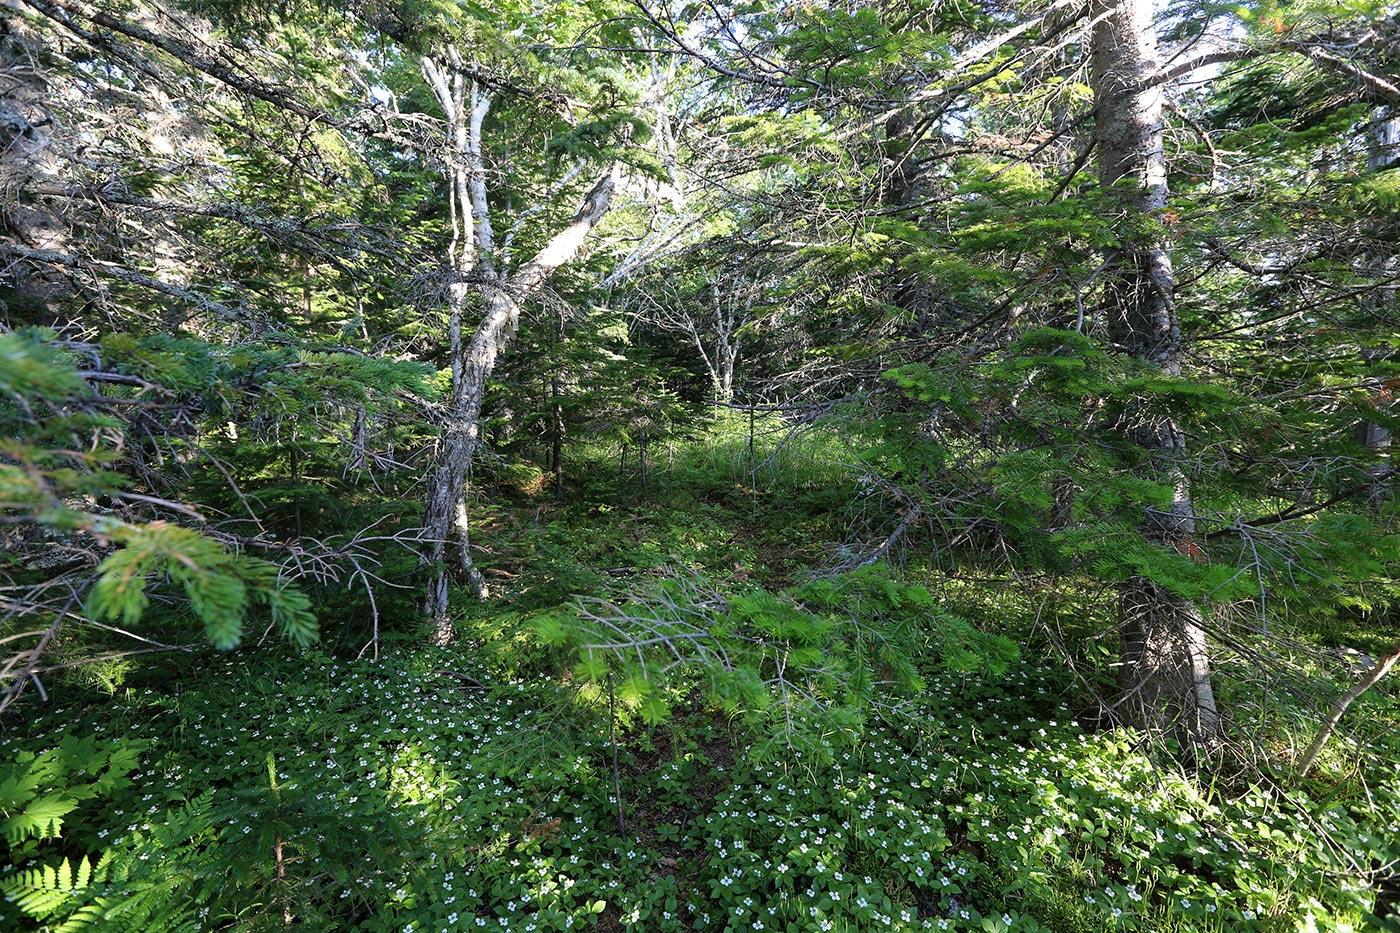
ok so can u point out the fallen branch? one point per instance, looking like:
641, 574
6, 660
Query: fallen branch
1329, 725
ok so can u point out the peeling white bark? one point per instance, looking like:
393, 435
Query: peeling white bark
444, 517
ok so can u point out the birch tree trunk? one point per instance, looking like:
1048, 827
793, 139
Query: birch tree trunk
1164, 678
472, 258
445, 515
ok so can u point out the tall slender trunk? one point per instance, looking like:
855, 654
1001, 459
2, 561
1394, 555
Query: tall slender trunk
1164, 675
445, 514
1384, 154
556, 456
556, 409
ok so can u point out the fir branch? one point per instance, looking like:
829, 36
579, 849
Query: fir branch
1288, 514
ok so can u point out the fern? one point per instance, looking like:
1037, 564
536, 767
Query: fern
42, 816
38, 791
131, 887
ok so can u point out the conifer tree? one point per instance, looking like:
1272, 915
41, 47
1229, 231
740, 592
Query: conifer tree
1164, 677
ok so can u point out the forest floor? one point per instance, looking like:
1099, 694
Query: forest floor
496, 785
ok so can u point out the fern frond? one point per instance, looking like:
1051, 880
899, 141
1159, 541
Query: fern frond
130, 889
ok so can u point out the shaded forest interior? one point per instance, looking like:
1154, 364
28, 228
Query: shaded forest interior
699, 466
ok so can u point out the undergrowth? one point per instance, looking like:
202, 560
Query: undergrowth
410, 794
532, 778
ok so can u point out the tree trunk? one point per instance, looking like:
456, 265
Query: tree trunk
1384, 139
556, 408
1384, 152
445, 513
903, 187
1164, 677
557, 428
728, 353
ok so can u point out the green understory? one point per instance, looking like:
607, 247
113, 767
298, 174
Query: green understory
412, 794
474, 787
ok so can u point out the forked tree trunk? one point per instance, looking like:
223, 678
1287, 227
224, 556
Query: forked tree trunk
1164, 677
445, 514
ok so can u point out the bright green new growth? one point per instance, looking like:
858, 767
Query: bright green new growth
804, 666
221, 585
50, 480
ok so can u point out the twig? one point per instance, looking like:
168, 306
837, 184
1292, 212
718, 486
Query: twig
1329, 725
